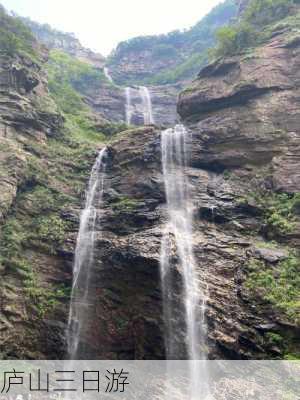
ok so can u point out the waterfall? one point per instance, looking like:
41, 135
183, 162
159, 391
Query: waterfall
128, 106
133, 105
84, 257
147, 105
107, 74
179, 232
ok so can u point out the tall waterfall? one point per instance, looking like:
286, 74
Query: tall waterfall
138, 103
107, 74
178, 239
84, 257
128, 106
147, 105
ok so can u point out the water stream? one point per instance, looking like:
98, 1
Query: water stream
84, 259
147, 105
177, 252
128, 105
107, 74
144, 108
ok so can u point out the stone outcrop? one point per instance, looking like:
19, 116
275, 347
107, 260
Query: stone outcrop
244, 113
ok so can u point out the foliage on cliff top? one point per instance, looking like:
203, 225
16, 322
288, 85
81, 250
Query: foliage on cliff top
67, 77
15, 37
252, 28
181, 47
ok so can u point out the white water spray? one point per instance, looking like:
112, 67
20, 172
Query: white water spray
147, 105
128, 106
84, 257
133, 106
107, 74
179, 230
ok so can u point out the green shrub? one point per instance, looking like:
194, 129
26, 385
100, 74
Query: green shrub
51, 229
42, 299
279, 212
68, 77
184, 70
187, 49
124, 204
12, 237
279, 285
249, 30
15, 37
264, 12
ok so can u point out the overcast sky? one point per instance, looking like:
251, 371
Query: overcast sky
101, 25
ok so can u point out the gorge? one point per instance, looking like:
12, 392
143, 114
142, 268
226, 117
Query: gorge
186, 243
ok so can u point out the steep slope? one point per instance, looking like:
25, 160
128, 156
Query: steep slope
43, 171
243, 113
79, 74
172, 57
66, 42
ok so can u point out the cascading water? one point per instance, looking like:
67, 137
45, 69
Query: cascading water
128, 106
147, 105
107, 74
179, 231
84, 257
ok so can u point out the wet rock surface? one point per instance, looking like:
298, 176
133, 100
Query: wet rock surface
244, 117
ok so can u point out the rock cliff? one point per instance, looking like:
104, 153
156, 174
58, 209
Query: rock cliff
66, 42
43, 172
169, 58
243, 114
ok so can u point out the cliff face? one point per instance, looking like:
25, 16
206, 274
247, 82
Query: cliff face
169, 58
66, 42
243, 114
42, 176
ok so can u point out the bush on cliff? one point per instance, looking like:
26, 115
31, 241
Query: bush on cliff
249, 30
15, 37
67, 76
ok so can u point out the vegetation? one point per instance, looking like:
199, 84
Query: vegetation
67, 78
279, 285
182, 71
280, 211
185, 50
15, 37
251, 29
54, 180
42, 299
124, 204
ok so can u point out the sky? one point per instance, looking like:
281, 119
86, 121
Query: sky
101, 25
